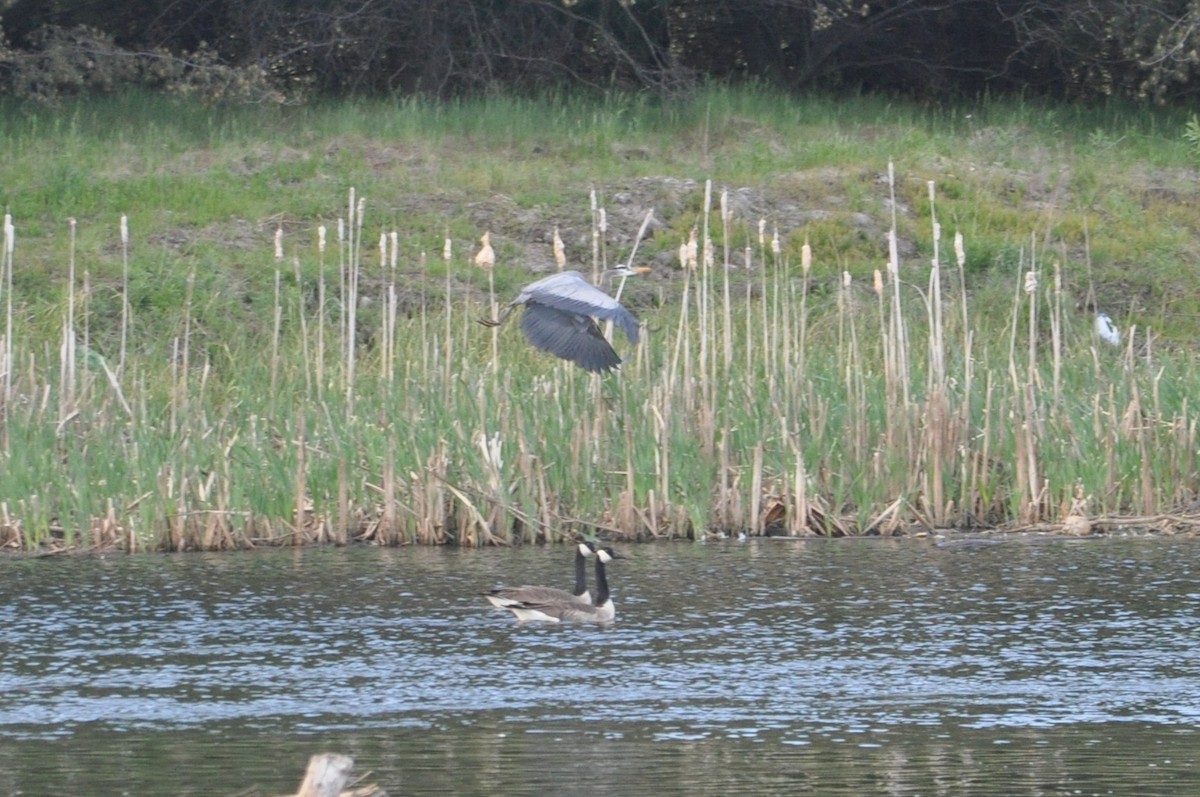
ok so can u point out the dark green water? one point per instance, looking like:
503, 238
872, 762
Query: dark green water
1030, 667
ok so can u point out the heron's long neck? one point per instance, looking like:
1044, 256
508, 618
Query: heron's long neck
607, 282
580, 573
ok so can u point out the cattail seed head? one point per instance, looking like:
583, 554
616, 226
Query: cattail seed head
485, 258
124, 230
279, 243
321, 238
560, 250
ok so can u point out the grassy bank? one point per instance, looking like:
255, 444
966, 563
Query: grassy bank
215, 378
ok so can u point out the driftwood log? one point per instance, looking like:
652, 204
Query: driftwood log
327, 776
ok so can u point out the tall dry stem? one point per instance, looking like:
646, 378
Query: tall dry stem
67, 359
125, 308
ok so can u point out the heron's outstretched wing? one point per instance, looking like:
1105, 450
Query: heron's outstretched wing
569, 336
571, 292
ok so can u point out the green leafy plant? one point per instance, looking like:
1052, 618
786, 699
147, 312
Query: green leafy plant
1191, 134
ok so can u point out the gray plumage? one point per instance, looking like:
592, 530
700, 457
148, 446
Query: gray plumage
504, 597
603, 612
559, 318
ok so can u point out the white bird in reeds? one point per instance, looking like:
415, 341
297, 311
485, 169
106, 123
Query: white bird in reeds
570, 611
504, 597
1107, 330
560, 313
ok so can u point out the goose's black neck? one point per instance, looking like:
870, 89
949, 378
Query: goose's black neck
601, 582
580, 573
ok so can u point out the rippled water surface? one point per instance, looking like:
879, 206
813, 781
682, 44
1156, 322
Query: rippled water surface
1029, 666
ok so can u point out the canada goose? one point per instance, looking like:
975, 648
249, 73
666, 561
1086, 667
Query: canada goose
565, 611
504, 597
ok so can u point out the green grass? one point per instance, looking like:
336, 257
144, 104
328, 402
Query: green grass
228, 429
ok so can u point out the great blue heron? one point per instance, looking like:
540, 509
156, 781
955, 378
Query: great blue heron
559, 318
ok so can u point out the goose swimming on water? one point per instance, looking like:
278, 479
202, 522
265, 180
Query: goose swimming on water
565, 611
504, 597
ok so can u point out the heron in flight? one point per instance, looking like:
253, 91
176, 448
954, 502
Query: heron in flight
560, 313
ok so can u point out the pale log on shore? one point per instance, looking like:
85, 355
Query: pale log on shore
327, 775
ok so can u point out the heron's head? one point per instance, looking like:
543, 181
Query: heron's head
626, 270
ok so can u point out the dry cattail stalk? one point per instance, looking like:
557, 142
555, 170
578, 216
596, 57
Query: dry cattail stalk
124, 289
67, 351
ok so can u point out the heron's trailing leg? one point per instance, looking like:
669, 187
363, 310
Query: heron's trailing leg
495, 322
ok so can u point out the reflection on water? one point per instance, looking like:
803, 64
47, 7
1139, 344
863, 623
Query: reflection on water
848, 667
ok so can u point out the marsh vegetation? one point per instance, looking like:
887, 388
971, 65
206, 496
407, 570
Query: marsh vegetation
223, 328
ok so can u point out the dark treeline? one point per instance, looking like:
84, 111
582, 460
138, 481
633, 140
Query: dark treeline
289, 49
